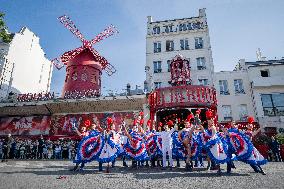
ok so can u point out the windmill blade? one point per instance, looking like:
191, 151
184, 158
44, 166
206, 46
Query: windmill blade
110, 69
68, 23
103, 62
109, 31
57, 63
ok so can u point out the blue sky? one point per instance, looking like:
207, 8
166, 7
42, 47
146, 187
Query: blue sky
237, 28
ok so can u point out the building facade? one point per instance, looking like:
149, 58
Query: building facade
23, 65
255, 89
188, 37
233, 95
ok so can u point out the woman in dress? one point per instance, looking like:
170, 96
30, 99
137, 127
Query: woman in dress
185, 136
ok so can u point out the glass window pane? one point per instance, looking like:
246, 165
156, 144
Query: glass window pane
278, 99
266, 100
227, 111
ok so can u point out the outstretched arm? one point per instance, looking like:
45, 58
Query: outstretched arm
172, 130
214, 130
126, 132
256, 132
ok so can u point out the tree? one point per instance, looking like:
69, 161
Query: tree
7, 38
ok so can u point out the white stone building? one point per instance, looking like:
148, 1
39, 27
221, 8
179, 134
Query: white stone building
253, 88
233, 95
188, 37
23, 65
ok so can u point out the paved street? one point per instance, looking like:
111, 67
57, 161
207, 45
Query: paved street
46, 174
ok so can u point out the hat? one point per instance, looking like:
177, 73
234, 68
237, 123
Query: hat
170, 123
209, 114
87, 123
109, 121
189, 117
250, 119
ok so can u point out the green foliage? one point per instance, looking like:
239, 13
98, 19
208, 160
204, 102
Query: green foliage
7, 38
280, 138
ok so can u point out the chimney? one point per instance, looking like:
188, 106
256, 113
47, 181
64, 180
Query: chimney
128, 92
150, 19
202, 12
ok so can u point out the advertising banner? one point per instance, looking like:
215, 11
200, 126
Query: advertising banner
62, 124
25, 126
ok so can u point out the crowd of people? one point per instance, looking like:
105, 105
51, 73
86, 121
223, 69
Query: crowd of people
197, 141
19, 148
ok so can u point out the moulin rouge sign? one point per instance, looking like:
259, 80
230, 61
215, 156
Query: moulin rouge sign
182, 96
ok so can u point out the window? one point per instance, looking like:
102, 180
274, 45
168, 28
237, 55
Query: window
184, 44
167, 29
264, 73
198, 43
243, 112
182, 27
157, 66
200, 63
273, 104
196, 25
169, 65
239, 89
156, 30
203, 81
227, 112
169, 45
189, 26
157, 85
157, 47
223, 84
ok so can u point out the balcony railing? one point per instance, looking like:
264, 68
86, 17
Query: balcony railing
201, 67
224, 93
241, 91
157, 70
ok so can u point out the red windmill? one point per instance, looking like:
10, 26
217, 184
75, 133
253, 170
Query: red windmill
84, 65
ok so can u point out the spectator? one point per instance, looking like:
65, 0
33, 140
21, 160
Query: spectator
50, 151
9, 146
18, 144
64, 150
275, 147
34, 150
22, 152
44, 151
40, 147
6, 150
28, 149
1, 148
57, 151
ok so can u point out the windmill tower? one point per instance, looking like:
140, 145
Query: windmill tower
84, 65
